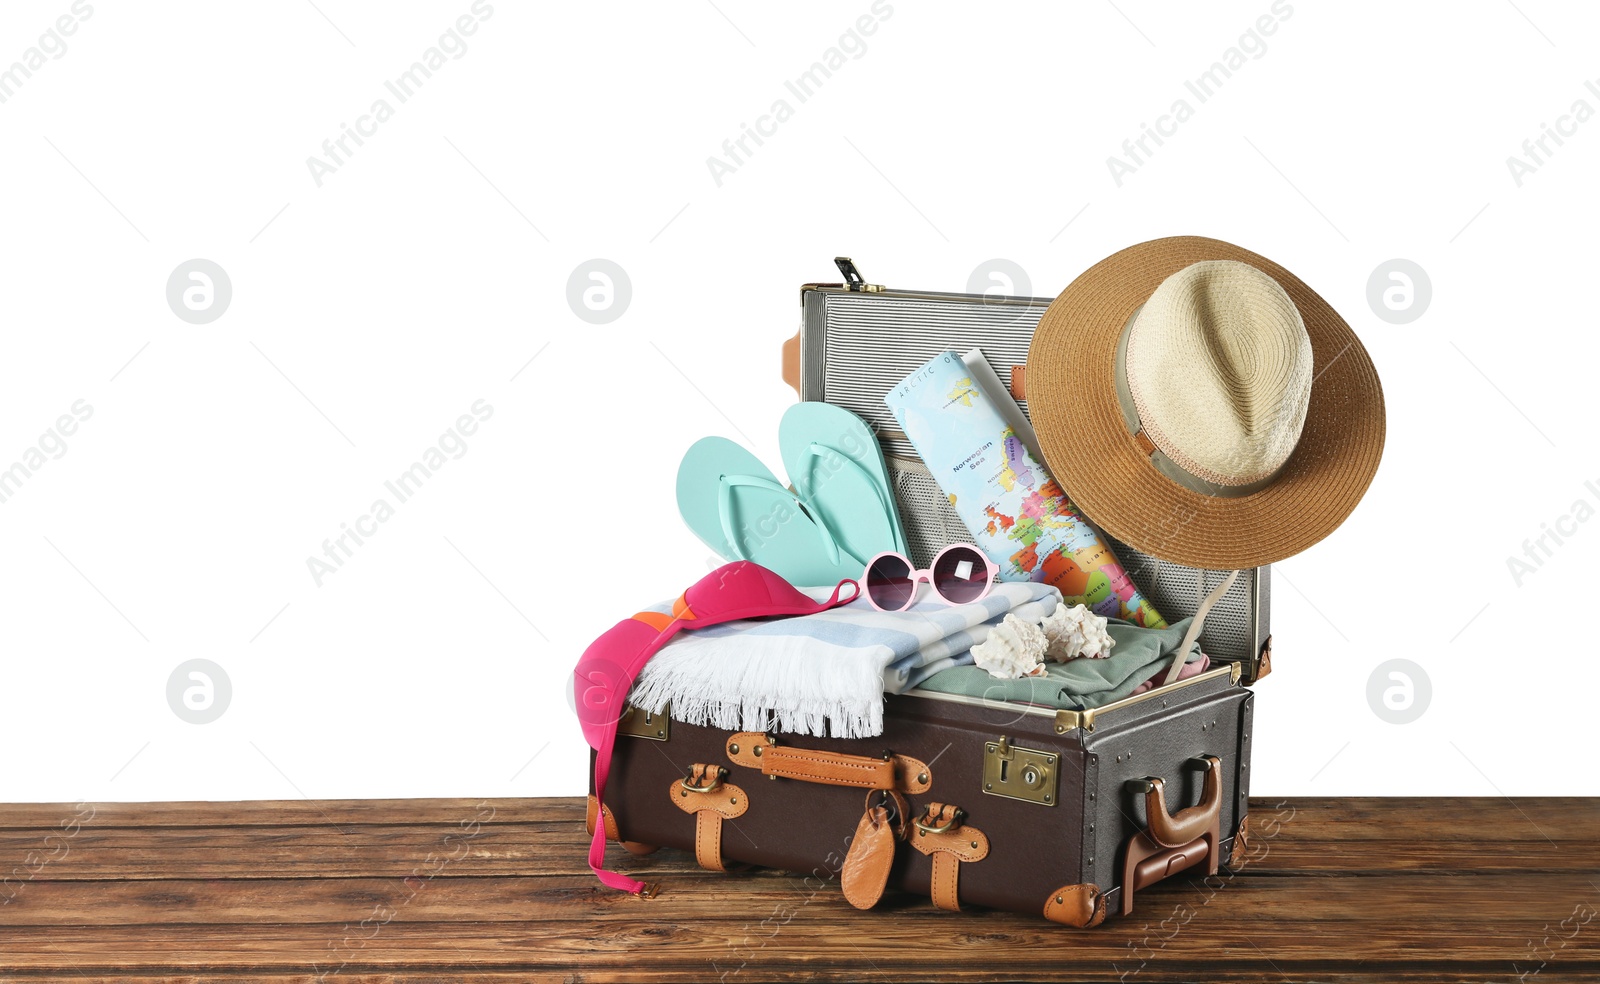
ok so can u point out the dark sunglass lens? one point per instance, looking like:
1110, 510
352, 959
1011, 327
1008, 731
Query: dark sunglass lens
961, 575
889, 583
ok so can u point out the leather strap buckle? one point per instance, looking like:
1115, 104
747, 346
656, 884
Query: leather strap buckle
704, 795
928, 824
712, 779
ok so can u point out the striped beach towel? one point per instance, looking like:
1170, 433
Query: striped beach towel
823, 674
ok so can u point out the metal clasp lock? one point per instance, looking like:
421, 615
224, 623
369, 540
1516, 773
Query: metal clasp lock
687, 782
924, 827
639, 723
852, 277
1027, 774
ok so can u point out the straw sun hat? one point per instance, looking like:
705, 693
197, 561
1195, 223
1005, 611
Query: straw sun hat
1204, 405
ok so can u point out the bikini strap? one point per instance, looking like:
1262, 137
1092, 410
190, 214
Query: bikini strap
834, 601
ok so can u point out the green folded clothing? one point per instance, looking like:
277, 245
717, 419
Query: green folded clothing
1139, 656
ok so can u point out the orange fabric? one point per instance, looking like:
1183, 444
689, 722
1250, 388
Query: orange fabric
655, 620
680, 608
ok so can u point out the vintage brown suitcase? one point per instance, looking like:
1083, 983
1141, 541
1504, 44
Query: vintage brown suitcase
1067, 813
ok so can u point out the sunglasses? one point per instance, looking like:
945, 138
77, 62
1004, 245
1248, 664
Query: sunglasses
960, 575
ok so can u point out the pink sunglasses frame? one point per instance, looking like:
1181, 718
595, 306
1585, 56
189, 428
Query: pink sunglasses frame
917, 577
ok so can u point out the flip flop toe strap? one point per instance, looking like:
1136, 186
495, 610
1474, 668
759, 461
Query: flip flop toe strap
728, 483
885, 507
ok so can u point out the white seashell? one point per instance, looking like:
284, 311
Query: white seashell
1076, 631
1012, 651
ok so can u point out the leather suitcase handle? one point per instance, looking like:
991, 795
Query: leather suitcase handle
901, 773
791, 363
1176, 830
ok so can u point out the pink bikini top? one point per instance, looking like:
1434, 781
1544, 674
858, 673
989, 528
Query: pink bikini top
608, 668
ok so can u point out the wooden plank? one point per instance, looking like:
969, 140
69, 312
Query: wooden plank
401, 857
827, 945
1388, 890
559, 848
1418, 972
1462, 904
289, 813
1499, 818
1341, 818
278, 852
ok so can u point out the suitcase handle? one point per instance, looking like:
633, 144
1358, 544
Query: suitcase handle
1176, 830
756, 750
1174, 843
791, 364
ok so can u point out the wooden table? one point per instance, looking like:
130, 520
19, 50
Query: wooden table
1334, 889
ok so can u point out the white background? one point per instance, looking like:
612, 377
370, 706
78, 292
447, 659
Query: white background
424, 274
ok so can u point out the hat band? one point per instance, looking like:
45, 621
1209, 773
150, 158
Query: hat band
1158, 458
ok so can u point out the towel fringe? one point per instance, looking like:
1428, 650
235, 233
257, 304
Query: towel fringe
792, 684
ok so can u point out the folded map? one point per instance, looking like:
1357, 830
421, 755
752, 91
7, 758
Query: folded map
1016, 512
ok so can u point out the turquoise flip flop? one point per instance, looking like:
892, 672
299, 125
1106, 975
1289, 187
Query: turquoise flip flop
735, 505
837, 467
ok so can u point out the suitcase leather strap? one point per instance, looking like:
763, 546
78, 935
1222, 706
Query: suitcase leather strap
948, 842
901, 773
703, 794
865, 872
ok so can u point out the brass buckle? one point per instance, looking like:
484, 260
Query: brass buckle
685, 782
939, 828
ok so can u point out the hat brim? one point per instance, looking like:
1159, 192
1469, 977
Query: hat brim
1073, 405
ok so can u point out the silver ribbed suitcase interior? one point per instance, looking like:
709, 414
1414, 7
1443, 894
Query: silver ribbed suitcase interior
857, 344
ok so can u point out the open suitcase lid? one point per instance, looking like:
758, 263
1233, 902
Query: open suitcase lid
857, 340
